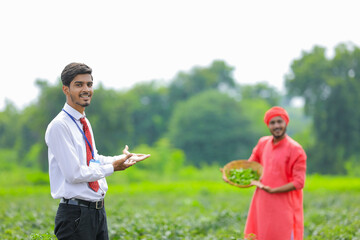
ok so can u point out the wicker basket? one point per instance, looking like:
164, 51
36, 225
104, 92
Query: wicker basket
237, 164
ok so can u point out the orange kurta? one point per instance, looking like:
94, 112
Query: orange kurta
278, 215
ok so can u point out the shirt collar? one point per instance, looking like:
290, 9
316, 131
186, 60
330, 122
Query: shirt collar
73, 112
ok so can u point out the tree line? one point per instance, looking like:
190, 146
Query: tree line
207, 115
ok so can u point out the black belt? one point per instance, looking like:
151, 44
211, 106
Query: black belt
83, 203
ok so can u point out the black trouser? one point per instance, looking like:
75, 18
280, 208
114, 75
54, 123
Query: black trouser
75, 222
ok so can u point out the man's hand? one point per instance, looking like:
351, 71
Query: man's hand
138, 157
268, 189
123, 163
284, 188
262, 186
126, 150
135, 156
258, 184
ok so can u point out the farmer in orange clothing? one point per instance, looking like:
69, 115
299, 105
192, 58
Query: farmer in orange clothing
276, 210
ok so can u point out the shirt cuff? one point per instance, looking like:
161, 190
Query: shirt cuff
108, 169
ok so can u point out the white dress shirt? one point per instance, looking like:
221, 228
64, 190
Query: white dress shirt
68, 170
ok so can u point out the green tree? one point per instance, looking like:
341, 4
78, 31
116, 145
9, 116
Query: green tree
330, 87
150, 113
185, 85
23, 131
211, 127
9, 126
260, 91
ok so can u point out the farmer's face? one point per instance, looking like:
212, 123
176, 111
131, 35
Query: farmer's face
277, 127
80, 92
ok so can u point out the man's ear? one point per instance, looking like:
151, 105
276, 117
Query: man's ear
65, 89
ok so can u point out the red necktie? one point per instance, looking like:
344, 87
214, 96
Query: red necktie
93, 185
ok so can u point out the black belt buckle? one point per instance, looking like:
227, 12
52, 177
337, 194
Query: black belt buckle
99, 204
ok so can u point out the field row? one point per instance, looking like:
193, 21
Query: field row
181, 210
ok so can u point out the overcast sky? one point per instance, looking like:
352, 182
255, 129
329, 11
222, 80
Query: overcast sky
126, 42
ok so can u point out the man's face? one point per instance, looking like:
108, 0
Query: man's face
277, 127
80, 92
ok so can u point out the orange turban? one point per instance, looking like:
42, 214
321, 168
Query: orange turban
275, 112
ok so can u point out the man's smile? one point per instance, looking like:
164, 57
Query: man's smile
85, 96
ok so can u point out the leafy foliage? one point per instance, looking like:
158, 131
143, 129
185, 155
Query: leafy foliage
216, 77
243, 176
331, 89
151, 112
260, 91
211, 127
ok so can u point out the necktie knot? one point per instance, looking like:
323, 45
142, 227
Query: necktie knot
83, 122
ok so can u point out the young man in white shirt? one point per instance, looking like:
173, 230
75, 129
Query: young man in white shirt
77, 172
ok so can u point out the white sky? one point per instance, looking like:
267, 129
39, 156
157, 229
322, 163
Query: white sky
141, 40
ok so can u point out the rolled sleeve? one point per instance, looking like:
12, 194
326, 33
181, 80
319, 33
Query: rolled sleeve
299, 171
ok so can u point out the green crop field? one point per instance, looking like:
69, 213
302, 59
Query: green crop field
184, 210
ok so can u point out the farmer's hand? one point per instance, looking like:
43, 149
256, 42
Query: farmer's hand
262, 186
257, 183
267, 189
